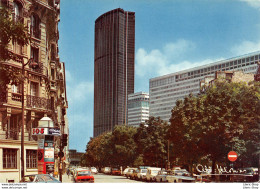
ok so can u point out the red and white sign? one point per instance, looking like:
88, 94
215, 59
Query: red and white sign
39, 131
232, 156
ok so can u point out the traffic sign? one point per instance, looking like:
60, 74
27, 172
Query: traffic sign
232, 156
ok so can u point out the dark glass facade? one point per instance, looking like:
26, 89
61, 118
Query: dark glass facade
114, 68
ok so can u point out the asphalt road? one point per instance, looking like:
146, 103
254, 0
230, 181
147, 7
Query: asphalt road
102, 178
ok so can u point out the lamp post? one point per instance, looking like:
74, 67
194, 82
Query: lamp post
22, 132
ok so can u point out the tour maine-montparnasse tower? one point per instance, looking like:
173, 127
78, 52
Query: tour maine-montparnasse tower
114, 68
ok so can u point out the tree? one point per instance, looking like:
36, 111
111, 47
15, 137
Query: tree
10, 30
184, 131
224, 118
124, 146
152, 142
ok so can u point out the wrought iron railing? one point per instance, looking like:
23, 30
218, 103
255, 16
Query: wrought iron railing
38, 102
12, 134
17, 97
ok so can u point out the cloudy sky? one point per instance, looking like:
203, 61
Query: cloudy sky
171, 35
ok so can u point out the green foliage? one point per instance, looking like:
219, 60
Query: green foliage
152, 142
225, 118
10, 31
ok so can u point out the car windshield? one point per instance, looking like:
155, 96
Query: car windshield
155, 171
84, 173
144, 170
115, 169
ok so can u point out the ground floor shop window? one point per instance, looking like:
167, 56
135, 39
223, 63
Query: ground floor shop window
31, 159
9, 158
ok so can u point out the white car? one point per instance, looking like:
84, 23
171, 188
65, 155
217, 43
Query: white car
178, 176
142, 174
94, 170
130, 172
161, 177
151, 173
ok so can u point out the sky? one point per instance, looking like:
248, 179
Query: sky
170, 36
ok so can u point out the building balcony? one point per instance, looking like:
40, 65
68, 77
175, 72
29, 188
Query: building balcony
38, 102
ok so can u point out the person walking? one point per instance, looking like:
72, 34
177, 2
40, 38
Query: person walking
68, 173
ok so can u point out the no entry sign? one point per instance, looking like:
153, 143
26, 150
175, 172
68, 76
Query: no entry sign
232, 156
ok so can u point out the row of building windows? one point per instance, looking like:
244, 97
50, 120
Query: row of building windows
208, 70
10, 158
177, 89
177, 94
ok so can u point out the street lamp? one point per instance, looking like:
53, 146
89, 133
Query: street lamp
22, 133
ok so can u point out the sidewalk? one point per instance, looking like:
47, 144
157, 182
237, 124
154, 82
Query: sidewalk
66, 179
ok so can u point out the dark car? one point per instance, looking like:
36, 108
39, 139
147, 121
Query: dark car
40, 178
115, 171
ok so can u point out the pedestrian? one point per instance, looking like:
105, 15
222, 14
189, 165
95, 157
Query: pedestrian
68, 173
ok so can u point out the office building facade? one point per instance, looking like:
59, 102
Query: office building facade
114, 68
166, 90
138, 108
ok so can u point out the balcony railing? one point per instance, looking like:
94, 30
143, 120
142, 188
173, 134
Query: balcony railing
17, 97
12, 134
38, 102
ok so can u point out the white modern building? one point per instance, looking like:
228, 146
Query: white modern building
138, 108
166, 90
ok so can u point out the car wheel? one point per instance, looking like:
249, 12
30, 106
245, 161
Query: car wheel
161, 180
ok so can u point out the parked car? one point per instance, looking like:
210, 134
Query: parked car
130, 172
161, 177
134, 174
106, 170
94, 170
115, 171
84, 176
142, 174
40, 178
249, 174
151, 173
181, 175
125, 171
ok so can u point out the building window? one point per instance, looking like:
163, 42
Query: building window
34, 89
31, 159
16, 89
35, 26
35, 54
9, 158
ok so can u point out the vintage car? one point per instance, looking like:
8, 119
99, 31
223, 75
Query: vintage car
84, 176
151, 173
94, 170
115, 171
161, 177
40, 178
106, 170
134, 174
130, 172
249, 174
142, 174
178, 176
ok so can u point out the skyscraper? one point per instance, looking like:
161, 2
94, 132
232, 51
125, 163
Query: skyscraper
114, 68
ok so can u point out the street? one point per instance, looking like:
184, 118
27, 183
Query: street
102, 178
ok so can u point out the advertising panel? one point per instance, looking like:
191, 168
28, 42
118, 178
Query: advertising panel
48, 154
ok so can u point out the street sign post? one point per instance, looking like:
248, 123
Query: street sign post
232, 156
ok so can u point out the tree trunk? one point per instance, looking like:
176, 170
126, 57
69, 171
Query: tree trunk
213, 168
